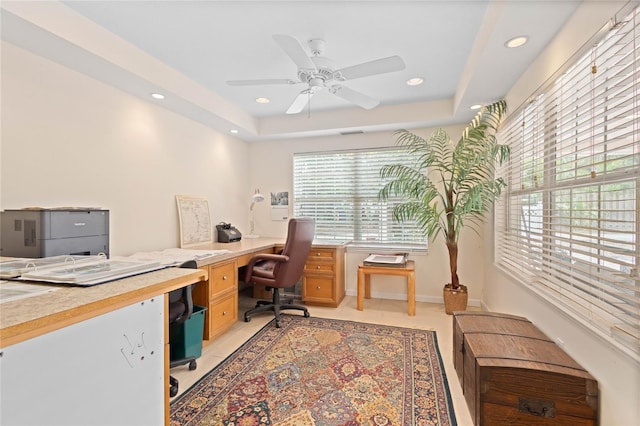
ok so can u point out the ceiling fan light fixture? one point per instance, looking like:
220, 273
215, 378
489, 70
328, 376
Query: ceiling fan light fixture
262, 100
415, 81
516, 41
316, 83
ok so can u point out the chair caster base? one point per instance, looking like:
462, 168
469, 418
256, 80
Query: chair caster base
173, 390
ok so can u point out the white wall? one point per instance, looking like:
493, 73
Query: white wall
617, 374
69, 140
271, 164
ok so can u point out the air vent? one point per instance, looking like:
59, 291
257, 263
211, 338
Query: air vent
353, 132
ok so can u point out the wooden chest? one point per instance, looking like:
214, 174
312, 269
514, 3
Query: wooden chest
512, 373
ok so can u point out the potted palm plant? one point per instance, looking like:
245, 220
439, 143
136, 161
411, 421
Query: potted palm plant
451, 185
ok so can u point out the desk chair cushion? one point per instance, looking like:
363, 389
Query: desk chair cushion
176, 311
263, 269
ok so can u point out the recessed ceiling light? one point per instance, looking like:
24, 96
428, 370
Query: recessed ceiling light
415, 81
263, 100
476, 106
157, 95
234, 131
516, 41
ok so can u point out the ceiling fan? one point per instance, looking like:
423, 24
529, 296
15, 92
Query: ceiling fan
318, 73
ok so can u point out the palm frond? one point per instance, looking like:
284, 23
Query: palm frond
467, 186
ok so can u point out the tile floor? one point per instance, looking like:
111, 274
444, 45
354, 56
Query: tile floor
428, 316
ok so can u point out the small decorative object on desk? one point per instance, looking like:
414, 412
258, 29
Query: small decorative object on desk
395, 260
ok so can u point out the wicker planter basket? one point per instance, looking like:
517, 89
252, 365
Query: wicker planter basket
455, 300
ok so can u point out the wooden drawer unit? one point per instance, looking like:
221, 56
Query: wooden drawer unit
511, 373
220, 296
323, 276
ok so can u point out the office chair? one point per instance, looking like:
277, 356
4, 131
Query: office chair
180, 310
276, 271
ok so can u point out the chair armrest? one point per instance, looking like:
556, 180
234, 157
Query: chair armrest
280, 258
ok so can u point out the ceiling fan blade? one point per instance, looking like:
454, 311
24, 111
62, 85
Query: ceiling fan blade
354, 97
261, 82
294, 50
379, 66
300, 101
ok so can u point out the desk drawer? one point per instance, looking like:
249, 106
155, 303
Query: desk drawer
223, 313
317, 267
222, 277
325, 254
318, 289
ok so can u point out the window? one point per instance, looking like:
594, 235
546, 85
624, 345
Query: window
339, 190
568, 224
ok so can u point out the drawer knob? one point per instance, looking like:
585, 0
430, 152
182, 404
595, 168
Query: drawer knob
317, 254
318, 267
224, 277
318, 288
224, 313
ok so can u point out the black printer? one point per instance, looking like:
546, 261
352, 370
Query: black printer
38, 232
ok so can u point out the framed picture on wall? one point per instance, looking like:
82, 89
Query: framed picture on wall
280, 205
195, 221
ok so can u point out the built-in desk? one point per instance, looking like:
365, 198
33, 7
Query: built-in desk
90, 355
322, 280
93, 351
220, 293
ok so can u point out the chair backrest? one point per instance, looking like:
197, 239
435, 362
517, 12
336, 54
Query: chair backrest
180, 300
297, 247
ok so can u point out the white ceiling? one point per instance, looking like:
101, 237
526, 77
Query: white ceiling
189, 49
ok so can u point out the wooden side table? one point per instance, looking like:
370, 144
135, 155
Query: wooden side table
364, 282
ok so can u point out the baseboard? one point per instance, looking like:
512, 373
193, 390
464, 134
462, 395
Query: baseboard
397, 296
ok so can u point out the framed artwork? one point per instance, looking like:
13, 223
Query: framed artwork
280, 205
195, 221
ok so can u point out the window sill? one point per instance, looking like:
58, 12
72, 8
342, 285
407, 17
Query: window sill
364, 247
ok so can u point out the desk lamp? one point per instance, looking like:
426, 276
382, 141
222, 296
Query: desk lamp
257, 197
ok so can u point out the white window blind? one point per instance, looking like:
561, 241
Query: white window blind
339, 189
568, 224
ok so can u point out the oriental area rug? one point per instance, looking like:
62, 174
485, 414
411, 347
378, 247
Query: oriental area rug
324, 372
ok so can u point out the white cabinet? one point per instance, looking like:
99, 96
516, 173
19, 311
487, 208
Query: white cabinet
107, 370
